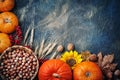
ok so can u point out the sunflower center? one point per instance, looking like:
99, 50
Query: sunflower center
88, 74
71, 62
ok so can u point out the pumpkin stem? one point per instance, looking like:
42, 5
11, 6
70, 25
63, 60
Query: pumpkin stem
7, 20
56, 75
2, 0
88, 74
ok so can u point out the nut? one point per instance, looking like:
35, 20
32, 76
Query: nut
109, 75
70, 46
117, 72
60, 48
93, 58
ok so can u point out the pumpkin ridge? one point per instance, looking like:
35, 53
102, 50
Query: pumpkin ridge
58, 67
64, 64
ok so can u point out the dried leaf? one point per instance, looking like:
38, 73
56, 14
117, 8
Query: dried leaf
85, 55
111, 58
107, 59
100, 58
113, 66
110, 67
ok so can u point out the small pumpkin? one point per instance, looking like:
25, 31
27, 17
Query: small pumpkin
4, 42
55, 69
6, 5
8, 22
87, 71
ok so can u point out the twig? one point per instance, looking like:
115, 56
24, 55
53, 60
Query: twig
41, 48
32, 37
51, 49
26, 35
46, 49
53, 55
36, 51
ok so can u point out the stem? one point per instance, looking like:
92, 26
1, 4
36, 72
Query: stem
88, 74
56, 75
7, 20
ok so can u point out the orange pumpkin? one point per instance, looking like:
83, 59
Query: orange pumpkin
8, 22
6, 5
87, 71
4, 42
55, 69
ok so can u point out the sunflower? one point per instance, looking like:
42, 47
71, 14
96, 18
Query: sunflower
72, 58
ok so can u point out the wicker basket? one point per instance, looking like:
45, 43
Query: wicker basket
21, 48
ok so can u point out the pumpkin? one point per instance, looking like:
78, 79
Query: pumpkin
8, 22
87, 71
4, 42
6, 5
55, 69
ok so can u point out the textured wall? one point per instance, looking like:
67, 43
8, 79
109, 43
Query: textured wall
90, 24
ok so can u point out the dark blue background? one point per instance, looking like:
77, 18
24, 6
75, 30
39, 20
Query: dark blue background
92, 25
